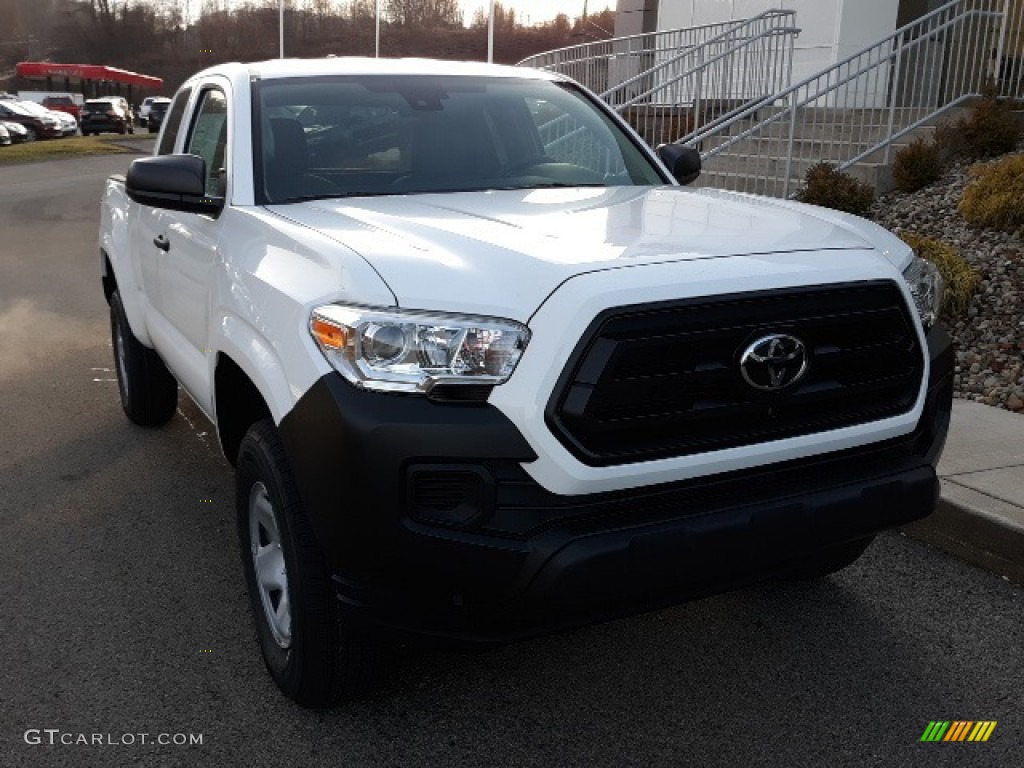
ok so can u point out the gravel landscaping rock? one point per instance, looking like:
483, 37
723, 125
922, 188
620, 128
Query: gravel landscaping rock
990, 337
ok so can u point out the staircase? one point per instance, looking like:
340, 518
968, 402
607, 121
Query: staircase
728, 94
761, 163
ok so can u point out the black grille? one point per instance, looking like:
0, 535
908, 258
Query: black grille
654, 381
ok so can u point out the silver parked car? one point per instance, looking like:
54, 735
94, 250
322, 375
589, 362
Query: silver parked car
17, 132
68, 124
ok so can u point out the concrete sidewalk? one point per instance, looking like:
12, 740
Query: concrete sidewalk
980, 516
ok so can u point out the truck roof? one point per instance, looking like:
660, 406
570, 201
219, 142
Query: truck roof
357, 65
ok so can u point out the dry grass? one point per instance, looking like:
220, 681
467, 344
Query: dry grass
70, 146
995, 196
960, 278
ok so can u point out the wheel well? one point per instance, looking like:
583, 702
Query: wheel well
239, 405
108, 279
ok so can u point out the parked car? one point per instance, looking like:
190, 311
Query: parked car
143, 113
5, 136
63, 104
37, 126
127, 108
485, 372
157, 112
68, 124
17, 131
106, 115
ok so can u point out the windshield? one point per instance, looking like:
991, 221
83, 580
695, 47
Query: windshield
16, 108
33, 108
380, 135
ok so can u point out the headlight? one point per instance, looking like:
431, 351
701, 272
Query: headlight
396, 351
927, 287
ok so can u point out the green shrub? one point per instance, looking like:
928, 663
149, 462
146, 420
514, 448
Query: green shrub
917, 165
960, 277
826, 186
989, 129
995, 196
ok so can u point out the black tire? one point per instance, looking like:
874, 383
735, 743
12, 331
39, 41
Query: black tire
320, 655
149, 393
829, 560
30, 134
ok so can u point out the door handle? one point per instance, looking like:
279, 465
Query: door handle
161, 242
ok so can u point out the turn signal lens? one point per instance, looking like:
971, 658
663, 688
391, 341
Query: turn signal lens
328, 335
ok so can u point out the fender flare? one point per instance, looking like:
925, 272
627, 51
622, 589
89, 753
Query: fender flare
257, 359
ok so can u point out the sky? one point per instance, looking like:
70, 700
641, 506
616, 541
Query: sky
537, 11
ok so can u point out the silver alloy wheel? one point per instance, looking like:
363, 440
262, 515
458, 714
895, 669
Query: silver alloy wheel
268, 565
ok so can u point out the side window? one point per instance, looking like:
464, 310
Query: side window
173, 122
209, 137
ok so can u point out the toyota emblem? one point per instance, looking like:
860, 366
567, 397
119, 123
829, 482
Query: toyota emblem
774, 362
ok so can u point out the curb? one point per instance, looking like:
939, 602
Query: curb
967, 524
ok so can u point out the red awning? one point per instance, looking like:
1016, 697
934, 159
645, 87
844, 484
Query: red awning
42, 69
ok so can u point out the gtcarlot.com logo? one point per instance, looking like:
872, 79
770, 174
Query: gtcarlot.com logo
55, 736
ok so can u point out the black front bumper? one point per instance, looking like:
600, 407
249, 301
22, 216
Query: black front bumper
433, 526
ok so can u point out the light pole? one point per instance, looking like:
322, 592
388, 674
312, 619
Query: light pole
376, 38
280, 26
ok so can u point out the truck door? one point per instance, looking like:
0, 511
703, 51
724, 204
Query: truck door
152, 223
187, 267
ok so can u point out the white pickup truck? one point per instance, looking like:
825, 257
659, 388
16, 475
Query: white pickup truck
486, 368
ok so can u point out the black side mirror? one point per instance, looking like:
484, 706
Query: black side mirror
176, 182
682, 162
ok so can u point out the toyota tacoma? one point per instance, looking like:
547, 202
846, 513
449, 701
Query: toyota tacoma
488, 366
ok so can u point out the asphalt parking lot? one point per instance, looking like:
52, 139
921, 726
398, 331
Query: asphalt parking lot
123, 611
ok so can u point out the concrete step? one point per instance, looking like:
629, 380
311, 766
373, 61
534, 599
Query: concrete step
772, 171
804, 149
832, 132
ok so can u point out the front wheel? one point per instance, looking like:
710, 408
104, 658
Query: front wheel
149, 393
315, 653
30, 134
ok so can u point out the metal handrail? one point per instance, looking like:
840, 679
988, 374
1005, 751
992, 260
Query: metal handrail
611, 67
625, 40
909, 78
720, 38
682, 86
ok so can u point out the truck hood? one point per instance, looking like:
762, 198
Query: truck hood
503, 252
